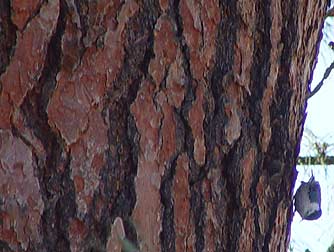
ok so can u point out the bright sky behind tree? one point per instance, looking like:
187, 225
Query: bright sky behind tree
320, 116
317, 236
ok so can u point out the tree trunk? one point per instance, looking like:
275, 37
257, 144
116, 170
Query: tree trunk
181, 118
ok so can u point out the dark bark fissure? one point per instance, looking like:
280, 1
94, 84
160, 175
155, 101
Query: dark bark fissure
190, 92
196, 173
167, 236
278, 149
224, 61
7, 36
189, 97
57, 188
232, 178
122, 156
279, 145
83, 6
214, 130
149, 54
198, 207
88, 16
4, 247
117, 188
259, 74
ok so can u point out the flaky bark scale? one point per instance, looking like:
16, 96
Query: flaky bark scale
172, 124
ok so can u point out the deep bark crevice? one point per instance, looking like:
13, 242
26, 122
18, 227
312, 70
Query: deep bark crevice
190, 91
216, 120
278, 148
198, 209
7, 36
149, 54
64, 211
88, 27
5, 247
224, 62
232, 178
196, 174
259, 74
82, 7
123, 151
167, 235
57, 188
260, 70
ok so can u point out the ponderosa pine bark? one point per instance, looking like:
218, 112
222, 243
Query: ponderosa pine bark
181, 118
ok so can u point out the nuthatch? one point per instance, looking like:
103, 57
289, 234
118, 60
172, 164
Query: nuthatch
308, 200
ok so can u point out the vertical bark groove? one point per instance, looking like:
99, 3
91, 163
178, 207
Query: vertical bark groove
123, 150
259, 76
167, 234
278, 149
196, 199
7, 36
57, 187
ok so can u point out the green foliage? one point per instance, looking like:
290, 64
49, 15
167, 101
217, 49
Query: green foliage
318, 150
290, 248
331, 248
128, 246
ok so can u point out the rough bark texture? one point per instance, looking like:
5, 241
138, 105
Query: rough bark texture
173, 124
